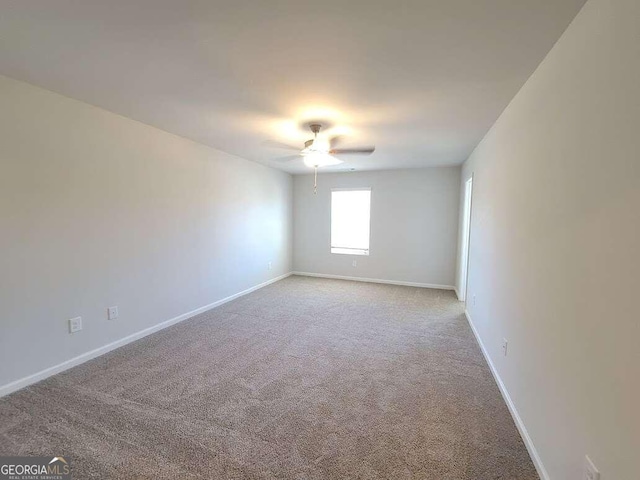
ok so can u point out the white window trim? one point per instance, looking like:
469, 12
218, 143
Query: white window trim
356, 251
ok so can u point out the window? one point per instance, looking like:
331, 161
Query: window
350, 215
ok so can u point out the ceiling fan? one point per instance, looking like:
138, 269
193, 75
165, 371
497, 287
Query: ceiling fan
319, 152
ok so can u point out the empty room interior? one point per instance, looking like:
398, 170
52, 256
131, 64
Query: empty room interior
337, 239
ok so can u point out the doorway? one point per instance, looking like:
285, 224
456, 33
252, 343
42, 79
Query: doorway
466, 235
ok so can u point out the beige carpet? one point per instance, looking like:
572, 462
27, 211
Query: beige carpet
304, 379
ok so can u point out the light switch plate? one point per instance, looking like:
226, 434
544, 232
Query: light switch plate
112, 313
75, 324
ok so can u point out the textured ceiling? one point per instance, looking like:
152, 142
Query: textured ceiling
422, 80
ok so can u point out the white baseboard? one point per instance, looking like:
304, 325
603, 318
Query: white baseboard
61, 367
533, 453
376, 280
455, 289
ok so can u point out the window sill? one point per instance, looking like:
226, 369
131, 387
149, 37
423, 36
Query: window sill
349, 251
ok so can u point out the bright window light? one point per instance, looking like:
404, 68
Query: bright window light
350, 221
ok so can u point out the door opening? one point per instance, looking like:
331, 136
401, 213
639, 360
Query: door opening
466, 235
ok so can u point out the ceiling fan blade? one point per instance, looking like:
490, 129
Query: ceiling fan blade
275, 144
352, 151
288, 158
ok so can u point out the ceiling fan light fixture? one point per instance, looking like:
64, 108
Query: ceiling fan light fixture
319, 159
315, 146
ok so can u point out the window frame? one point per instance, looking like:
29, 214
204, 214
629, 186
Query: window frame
359, 252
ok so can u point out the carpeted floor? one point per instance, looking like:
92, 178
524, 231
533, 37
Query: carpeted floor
304, 379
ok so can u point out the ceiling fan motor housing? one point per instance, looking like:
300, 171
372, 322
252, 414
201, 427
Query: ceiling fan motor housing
315, 127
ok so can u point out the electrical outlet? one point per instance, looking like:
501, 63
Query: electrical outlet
590, 470
270, 265
354, 263
112, 313
75, 324
505, 345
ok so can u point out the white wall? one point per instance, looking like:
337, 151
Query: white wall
99, 210
555, 239
413, 225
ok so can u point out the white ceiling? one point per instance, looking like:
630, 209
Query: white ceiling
423, 80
